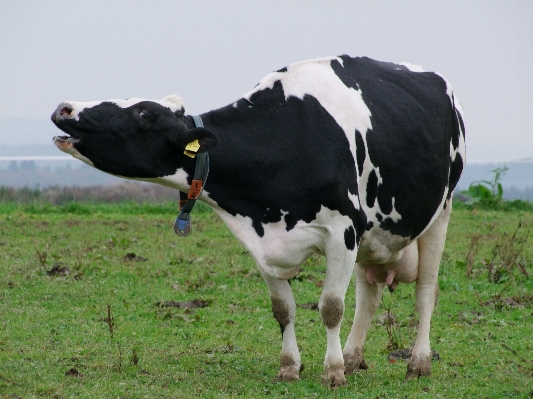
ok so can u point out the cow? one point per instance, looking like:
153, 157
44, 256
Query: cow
351, 158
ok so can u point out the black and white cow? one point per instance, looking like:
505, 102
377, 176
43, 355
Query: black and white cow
351, 158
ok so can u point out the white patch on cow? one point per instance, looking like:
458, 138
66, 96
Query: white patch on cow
316, 78
280, 253
234, 105
77, 107
412, 67
459, 107
371, 212
354, 198
177, 180
173, 99
394, 215
173, 102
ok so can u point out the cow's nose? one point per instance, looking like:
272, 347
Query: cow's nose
63, 111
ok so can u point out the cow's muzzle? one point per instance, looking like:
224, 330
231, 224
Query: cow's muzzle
62, 112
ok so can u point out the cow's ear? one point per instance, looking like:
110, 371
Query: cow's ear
206, 138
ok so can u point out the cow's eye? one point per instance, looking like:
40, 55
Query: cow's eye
143, 114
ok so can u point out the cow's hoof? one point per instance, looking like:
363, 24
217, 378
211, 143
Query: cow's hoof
287, 376
334, 377
354, 362
418, 367
289, 369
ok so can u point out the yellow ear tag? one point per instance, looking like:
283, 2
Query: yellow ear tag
192, 148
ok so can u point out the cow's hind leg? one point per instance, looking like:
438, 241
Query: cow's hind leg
284, 310
366, 303
430, 247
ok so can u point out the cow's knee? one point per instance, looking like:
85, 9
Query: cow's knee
332, 310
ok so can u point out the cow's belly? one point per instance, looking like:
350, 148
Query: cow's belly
281, 252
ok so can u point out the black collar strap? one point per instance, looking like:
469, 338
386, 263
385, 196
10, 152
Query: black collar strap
182, 226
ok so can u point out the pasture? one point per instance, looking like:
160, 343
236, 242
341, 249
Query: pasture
104, 301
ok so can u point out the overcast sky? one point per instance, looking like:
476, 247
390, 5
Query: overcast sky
211, 52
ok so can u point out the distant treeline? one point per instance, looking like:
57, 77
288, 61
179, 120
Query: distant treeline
135, 193
29, 174
125, 192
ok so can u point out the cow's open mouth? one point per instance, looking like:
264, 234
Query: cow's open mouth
66, 139
66, 143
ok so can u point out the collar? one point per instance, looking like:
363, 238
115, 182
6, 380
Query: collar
182, 225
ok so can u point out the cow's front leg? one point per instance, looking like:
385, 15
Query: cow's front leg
430, 247
366, 302
284, 310
331, 305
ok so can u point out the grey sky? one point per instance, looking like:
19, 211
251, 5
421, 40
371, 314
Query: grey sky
211, 52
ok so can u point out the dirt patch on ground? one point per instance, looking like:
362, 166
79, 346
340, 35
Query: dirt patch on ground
193, 304
58, 270
131, 257
73, 372
309, 305
405, 354
72, 223
513, 302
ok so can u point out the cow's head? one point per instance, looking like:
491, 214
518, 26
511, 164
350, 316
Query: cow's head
134, 138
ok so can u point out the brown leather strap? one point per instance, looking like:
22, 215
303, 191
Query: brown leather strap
196, 189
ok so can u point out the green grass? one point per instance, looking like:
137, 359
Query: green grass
55, 339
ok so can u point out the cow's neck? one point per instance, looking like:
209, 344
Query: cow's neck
244, 165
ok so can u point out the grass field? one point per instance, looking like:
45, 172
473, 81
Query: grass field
104, 301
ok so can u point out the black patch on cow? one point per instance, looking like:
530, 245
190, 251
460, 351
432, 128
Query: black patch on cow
242, 102
455, 173
360, 151
284, 154
372, 188
385, 200
290, 221
272, 216
379, 216
412, 126
369, 225
284, 69
349, 238
456, 133
258, 227
461, 123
